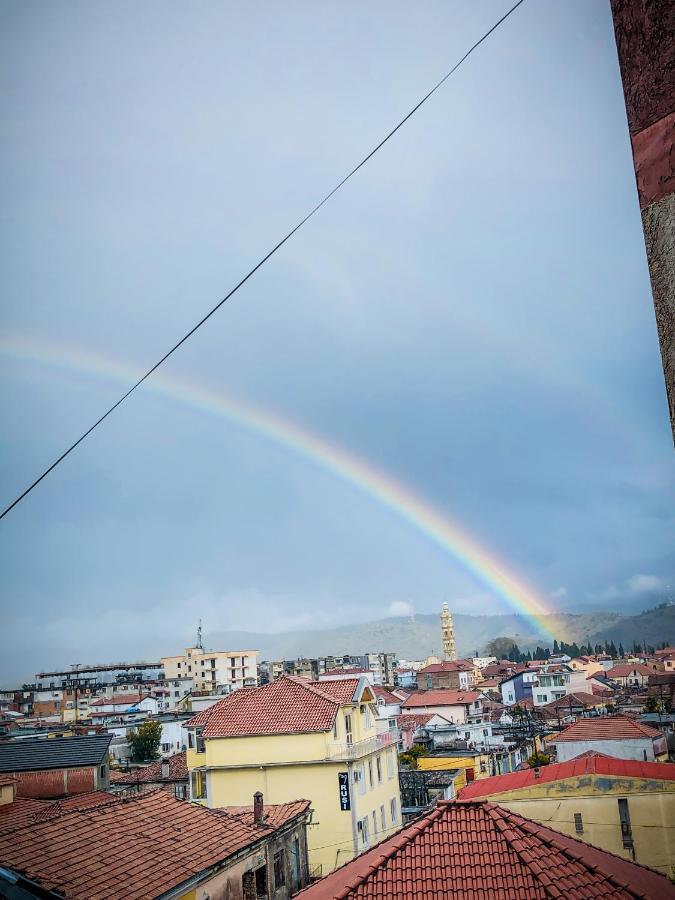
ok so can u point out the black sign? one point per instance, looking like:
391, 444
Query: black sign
345, 799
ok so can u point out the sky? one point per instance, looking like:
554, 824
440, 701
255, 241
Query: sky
470, 316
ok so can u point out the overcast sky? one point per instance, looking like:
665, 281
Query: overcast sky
471, 314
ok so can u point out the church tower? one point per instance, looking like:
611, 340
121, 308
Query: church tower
448, 634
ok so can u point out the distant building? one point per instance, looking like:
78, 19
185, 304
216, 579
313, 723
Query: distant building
295, 736
211, 670
56, 767
476, 849
624, 806
618, 736
457, 675
154, 846
455, 706
170, 774
630, 675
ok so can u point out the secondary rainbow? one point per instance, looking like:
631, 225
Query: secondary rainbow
435, 525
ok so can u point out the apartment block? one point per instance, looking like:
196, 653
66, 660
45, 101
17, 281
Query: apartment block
213, 670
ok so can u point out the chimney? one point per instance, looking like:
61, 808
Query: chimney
165, 770
258, 808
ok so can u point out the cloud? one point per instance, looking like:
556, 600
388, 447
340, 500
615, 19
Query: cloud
559, 593
400, 608
636, 586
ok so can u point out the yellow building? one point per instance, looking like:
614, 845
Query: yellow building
296, 738
211, 669
472, 764
624, 806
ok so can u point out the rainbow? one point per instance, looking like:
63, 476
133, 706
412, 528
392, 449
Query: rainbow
482, 564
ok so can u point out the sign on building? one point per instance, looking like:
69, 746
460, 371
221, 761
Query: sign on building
343, 784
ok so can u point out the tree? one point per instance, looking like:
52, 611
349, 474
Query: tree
556, 648
538, 759
411, 756
500, 647
622, 652
145, 741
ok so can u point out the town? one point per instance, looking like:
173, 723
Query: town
235, 777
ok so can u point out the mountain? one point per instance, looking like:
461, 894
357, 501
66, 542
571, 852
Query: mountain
653, 627
420, 636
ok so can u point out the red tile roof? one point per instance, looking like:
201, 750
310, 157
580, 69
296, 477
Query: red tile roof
587, 764
478, 851
141, 846
349, 673
119, 700
605, 728
26, 810
579, 698
288, 705
459, 665
178, 771
441, 698
275, 815
6, 780
625, 670
382, 693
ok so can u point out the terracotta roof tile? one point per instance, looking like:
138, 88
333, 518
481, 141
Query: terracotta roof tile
408, 721
148, 843
178, 771
441, 698
275, 814
459, 665
587, 764
605, 728
289, 705
478, 851
624, 670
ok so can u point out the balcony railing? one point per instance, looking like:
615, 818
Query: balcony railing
340, 750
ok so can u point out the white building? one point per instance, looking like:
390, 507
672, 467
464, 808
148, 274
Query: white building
457, 707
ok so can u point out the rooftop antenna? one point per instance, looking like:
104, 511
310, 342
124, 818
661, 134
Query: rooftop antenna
200, 645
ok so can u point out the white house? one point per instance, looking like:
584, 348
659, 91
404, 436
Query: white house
618, 736
456, 706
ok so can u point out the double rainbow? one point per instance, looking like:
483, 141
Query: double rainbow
438, 527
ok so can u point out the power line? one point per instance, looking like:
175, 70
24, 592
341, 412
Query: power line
262, 261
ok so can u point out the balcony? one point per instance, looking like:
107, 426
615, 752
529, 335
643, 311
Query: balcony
340, 750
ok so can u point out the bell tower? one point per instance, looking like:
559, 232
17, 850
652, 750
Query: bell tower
448, 634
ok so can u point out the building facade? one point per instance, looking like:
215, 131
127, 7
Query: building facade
211, 670
294, 737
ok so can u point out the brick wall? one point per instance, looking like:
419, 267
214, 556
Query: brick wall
52, 783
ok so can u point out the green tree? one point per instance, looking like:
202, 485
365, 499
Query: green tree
556, 648
500, 647
410, 757
145, 741
622, 652
538, 759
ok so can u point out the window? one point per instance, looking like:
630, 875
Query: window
201, 744
362, 830
335, 728
393, 811
383, 818
541, 698
295, 865
370, 774
378, 765
198, 785
279, 870
348, 728
367, 717
578, 823
360, 779
430, 682
626, 830
166, 748
102, 771
390, 763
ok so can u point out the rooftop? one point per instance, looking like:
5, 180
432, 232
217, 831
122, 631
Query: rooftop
475, 849
275, 815
586, 764
627, 669
178, 771
458, 665
28, 810
150, 843
606, 728
290, 705
35, 754
441, 698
